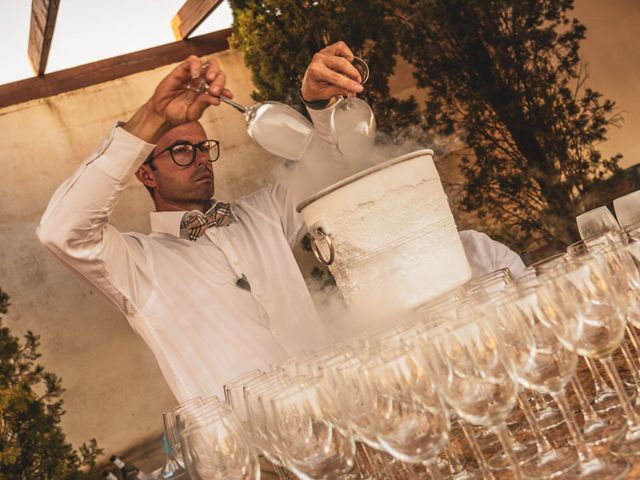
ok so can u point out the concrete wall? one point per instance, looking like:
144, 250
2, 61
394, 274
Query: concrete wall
115, 392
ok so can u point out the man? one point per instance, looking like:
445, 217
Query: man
211, 303
216, 296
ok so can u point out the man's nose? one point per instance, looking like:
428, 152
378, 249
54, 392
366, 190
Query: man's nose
202, 158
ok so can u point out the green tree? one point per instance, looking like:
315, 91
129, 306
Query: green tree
504, 76
32, 444
279, 37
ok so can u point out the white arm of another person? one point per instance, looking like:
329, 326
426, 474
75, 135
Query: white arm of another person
486, 255
75, 226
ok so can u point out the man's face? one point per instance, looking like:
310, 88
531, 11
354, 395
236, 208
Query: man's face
176, 187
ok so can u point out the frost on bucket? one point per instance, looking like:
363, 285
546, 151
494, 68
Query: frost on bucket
391, 235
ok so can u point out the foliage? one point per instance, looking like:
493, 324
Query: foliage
504, 76
32, 444
279, 37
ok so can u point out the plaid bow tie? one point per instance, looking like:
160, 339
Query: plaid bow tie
196, 222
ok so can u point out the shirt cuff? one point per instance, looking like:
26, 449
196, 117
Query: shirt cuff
322, 121
120, 154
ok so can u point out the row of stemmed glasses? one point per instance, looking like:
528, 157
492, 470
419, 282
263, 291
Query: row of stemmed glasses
388, 391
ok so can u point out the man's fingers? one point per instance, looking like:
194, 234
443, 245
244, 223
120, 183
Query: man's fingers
326, 75
340, 49
217, 83
190, 67
342, 65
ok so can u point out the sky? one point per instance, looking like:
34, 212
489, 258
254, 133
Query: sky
91, 30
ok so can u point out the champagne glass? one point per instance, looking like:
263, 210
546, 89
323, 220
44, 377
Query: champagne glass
596, 222
216, 448
352, 121
276, 127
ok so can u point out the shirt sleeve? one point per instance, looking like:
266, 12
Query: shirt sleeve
306, 177
486, 255
75, 226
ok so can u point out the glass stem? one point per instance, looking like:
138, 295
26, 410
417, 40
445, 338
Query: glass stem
584, 452
505, 439
410, 471
633, 338
628, 356
589, 413
455, 464
433, 470
633, 421
542, 443
475, 448
601, 385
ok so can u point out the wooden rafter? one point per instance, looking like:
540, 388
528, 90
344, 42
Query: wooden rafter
111, 68
43, 23
190, 15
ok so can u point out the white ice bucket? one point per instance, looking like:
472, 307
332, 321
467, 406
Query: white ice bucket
388, 235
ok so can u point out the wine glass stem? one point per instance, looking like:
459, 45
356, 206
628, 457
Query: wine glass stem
633, 369
505, 439
433, 470
475, 448
455, 464
601, 385
584, 452
633, 421
633, 338
590, 415
542, 444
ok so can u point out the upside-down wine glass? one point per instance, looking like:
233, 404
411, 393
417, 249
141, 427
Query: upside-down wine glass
276, 127
352, 121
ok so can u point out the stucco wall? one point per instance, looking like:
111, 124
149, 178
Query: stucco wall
115, 391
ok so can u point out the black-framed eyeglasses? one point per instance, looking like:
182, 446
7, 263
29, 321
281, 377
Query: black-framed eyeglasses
183, 154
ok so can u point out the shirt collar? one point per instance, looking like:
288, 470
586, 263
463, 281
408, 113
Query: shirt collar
166, 222
169, 222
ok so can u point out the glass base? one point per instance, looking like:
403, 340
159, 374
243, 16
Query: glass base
552, 464
524, 452
626, 445
549, 418
601, 431
603, 469
606, 401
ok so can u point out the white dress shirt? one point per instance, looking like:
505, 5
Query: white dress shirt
181, 296
485, 255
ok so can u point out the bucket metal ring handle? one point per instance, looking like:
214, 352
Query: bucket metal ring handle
316, 250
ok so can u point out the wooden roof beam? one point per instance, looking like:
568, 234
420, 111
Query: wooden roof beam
43, 23
191, 15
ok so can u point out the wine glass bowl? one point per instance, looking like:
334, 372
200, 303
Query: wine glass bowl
352, 121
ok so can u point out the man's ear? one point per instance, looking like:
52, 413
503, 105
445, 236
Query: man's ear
146, 175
